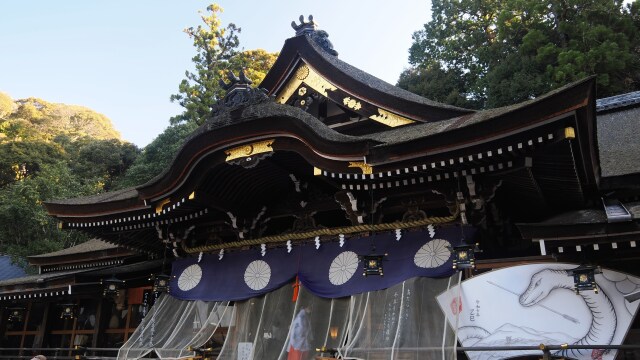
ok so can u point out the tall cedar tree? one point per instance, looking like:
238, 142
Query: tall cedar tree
493, 53
215, 46
217, 54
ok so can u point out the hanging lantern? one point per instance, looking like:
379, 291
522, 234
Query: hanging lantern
68, 311
464, 256
584, 278
333, 332
112, 286
160, 283
15, 314
372, 264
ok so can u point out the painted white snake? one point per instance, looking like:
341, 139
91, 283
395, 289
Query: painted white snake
603, 322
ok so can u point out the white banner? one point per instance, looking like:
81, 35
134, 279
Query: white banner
535, 304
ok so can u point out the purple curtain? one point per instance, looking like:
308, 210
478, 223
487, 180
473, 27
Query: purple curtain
328, 271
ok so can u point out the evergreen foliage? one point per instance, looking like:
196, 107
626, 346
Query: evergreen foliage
493, 53
51, 151
157, 156
217, 53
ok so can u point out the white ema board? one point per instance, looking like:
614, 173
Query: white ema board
535, 304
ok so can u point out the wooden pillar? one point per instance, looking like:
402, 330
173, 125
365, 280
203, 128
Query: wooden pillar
43, 325
98, 325
27, 315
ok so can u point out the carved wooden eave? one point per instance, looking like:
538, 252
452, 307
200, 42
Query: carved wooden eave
570, 106
93, 252
289, 129
304, 66
571, 234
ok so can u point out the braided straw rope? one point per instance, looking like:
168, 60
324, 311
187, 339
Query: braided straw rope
321, 232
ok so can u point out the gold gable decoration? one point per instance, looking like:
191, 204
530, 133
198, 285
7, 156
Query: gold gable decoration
305, 74
308, 76
390, 119
249, 150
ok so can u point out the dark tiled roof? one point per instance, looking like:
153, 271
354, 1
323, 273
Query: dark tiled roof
263, 112
378, 84
86, 247
130, 268
618, 142
8, 270
618, 101
271, 109
100, 198
407, 133
260, 112
32, 279
588, 216
251, 113
585, 216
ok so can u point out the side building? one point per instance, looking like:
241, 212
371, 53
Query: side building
65, 304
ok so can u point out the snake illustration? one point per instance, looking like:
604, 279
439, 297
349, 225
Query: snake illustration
603, 322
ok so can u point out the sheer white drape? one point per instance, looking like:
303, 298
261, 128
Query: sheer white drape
262, 325
401, 322
172, 325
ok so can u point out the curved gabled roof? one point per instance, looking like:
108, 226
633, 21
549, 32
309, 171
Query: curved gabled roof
353, 81
245, 124
493, 122
297, 131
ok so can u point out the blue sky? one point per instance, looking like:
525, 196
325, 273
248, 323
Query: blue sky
125, 58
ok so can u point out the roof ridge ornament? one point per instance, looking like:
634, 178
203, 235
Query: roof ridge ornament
305, 26
310, 29
239, 94
235, 82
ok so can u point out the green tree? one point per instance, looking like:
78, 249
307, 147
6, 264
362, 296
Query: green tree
255, 64
217, 53
157, 156
512, 50
51, 151
25, 227
20, 159
6, 105
102, 162
446, 86
43, 120
215, 45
